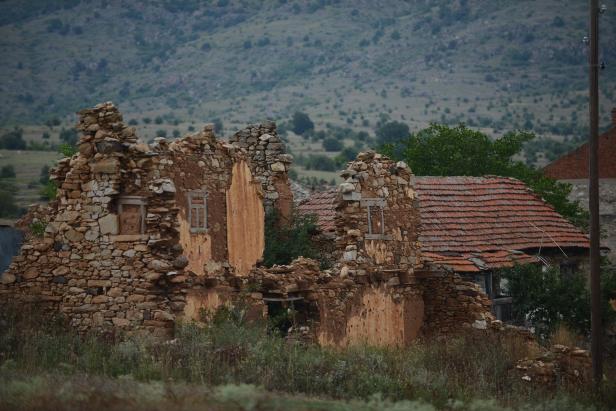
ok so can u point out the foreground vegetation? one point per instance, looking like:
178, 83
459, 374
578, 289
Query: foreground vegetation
233, 365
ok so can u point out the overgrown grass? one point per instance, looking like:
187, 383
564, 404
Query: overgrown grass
458, 373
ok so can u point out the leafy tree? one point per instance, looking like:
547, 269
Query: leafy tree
302, 123
161, 133
332, 144
391, 132
7, 171
285, 241
440, 150
158, 120
13, 140
545, 298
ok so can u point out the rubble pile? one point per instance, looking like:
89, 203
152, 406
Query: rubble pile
559, 365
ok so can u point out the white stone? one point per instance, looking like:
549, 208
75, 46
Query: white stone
91, 235
278, 167
109, 224
347, 187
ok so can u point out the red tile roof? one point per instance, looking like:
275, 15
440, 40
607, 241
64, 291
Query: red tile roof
323, 205
574, 165
475, 223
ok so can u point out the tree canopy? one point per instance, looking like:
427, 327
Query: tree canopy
391, 132
440, 150
302, 123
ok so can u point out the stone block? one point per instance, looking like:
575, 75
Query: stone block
108, 224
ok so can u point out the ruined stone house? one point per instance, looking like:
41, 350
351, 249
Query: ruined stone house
141, 236
475, 225
572, 168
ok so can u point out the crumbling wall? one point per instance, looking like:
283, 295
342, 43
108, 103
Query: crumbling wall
379, 302
136, 228
452, 303
269, 164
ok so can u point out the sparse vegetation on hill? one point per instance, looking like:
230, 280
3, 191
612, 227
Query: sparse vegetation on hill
338, 62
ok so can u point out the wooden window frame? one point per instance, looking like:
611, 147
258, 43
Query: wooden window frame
202, 226
379, 204
132, 200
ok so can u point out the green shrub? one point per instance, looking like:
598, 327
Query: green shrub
7, 171
331, 144
49, 191
287, 240
546, 298
13, 140
301, 123
67, 150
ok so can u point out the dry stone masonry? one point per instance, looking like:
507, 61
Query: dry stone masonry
140, 236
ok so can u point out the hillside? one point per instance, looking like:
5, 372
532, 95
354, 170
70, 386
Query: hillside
493, 64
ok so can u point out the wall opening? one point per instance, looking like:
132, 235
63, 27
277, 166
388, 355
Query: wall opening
131, 210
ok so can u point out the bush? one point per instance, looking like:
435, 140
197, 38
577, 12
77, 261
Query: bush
49, 191
546, 299
391, 132
161, 133
301, 123
332, 144
67, 150
7, 171
13, 140
287, 240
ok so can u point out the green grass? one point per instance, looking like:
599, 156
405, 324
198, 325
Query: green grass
43, 363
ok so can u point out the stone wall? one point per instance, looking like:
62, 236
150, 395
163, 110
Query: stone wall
269, 164
123, 246
140, 236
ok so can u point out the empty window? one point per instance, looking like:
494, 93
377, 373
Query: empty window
197, 211
132, 215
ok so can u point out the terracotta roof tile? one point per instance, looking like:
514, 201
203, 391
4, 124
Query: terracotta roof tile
574, 165
468, 220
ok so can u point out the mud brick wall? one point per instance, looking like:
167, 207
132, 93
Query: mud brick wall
119, 251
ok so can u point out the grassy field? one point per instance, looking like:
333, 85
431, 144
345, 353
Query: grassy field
231, 365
